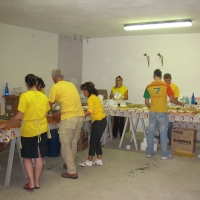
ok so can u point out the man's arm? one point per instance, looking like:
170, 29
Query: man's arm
175, 101
147, 102
175, 98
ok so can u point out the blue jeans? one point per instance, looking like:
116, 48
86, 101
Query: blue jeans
155, 119
169, 132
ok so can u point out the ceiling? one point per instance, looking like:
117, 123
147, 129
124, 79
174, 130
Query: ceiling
98, 18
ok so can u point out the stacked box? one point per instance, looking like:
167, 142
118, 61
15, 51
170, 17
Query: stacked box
183, 139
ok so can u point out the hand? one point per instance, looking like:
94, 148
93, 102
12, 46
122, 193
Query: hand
2, 126
182, 104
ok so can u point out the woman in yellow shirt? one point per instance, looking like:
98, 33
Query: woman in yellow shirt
123, 90
32, 110
40, 85
96, 111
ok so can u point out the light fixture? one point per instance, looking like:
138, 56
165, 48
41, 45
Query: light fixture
155, 25
161, 58
148, 58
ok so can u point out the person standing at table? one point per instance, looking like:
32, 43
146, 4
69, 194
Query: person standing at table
123, 90
175, 89
40, 85
66, 95
32, 110
158, 91
96, 112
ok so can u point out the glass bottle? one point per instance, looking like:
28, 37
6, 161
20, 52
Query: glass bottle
6, 90
193, 99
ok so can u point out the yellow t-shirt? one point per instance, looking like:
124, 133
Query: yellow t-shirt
42, 90
35, 106
95, 107
122, 90
158, 92
68, 98
175, 89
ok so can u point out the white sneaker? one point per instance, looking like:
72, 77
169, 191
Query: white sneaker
149, 156
166, 158
87, 163
98, 162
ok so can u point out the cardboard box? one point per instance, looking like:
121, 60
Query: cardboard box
183, 139
11, 104
83, 141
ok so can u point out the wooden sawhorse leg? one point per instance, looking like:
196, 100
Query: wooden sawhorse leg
10, 160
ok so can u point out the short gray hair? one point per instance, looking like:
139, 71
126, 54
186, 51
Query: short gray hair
57, 73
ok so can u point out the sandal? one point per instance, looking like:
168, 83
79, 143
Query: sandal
37, 187
27, 187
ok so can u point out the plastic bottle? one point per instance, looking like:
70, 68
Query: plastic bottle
187, 101
6, 90
193, 99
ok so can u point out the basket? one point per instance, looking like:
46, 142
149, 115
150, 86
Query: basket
3, 146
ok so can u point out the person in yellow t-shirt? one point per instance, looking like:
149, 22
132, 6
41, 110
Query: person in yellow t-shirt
123, 90
96, 111
175, 89
67, 97
40, 85
32, 110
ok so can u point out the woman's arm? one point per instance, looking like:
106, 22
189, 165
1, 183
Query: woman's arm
111, 95
87, 113
14, 120
126, 95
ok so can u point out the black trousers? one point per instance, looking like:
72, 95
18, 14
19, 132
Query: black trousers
98, 127
118, 126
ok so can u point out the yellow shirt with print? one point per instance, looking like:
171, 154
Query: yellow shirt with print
68, 98
35, 106
122, 90
95, 107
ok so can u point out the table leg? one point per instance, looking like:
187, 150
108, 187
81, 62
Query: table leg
133, 133
10, 162
110, 128
135, 128
21, 159
126, 123
143, 127
105, 133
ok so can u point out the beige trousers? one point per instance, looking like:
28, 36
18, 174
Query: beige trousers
69, 134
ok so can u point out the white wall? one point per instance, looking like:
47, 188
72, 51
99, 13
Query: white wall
106, 58
70, 54
24, 51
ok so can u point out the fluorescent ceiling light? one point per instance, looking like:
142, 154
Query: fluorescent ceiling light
155, 25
